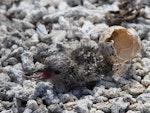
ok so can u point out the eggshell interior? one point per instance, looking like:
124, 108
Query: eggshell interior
123, 43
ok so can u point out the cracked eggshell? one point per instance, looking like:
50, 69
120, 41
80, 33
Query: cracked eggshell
119, 44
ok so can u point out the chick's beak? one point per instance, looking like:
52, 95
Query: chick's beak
46, 73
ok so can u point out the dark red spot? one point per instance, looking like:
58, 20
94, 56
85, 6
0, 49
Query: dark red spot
46, 75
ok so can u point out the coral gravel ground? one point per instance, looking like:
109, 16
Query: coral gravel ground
30, 30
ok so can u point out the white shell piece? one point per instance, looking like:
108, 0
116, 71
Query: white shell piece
119, 44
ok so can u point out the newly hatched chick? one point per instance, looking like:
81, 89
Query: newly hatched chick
81, 66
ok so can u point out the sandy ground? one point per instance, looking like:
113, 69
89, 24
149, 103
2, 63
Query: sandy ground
33, 30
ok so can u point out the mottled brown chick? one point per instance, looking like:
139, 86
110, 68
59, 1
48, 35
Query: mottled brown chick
83, 65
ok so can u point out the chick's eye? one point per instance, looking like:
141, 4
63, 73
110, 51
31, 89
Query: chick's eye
57, 71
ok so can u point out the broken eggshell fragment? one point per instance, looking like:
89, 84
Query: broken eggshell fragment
119, 44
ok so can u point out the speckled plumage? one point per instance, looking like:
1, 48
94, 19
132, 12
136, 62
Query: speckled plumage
83, 65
